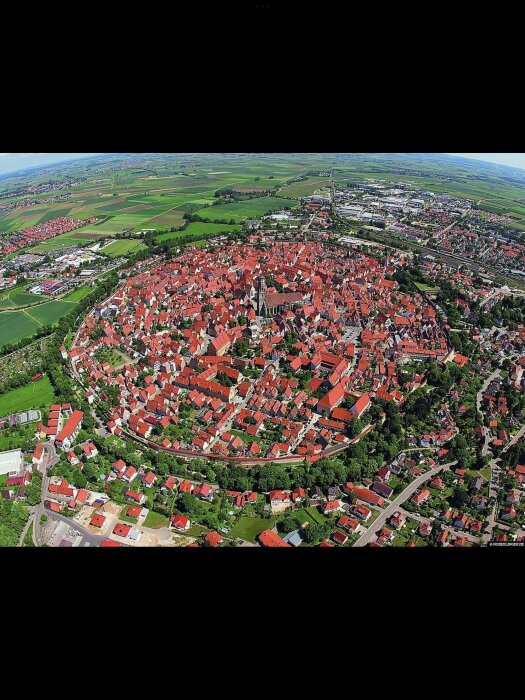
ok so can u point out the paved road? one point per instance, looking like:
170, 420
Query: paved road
494, 486
505, 290
396, 503
52, 459
94, 540
479, 397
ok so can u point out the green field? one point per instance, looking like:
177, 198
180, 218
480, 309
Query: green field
51, 312
248, 528
198, 227
16, 325
305, 187
122, 247
18, 296
65, 240
32, 395
247, 209
78, 293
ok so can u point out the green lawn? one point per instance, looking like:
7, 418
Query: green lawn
155, 520
304, 516
200, 227
249, 528
194, 531
426, 288
122, 247
32, 395
316, 515
486, 472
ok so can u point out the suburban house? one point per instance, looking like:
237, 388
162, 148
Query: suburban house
268, 538
180, 522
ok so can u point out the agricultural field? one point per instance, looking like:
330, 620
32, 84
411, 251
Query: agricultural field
34, 395
17, 296
22, 298
151, 197
304, 188
51, 312
122, 247
245, 210
65, 240
16, 325
198, 227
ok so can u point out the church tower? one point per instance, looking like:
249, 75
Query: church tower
261, 297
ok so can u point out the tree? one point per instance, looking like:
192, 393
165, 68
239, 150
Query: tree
315, 533
355, 427
34, 489
460, 498
289, 524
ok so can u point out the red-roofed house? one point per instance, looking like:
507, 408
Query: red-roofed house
70, 430
97, 520
419, 498
180, 522
268, 538
213, 538
121, 529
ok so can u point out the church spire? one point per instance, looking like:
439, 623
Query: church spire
261, 296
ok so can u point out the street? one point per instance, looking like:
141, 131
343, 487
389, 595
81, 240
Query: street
367, 536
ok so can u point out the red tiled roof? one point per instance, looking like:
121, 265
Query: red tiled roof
269, 538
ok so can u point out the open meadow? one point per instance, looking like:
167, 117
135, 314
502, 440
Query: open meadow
34, 395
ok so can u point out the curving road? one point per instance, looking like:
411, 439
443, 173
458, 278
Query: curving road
367, 536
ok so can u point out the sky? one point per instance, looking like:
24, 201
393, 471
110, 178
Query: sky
9, 162
515, 160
